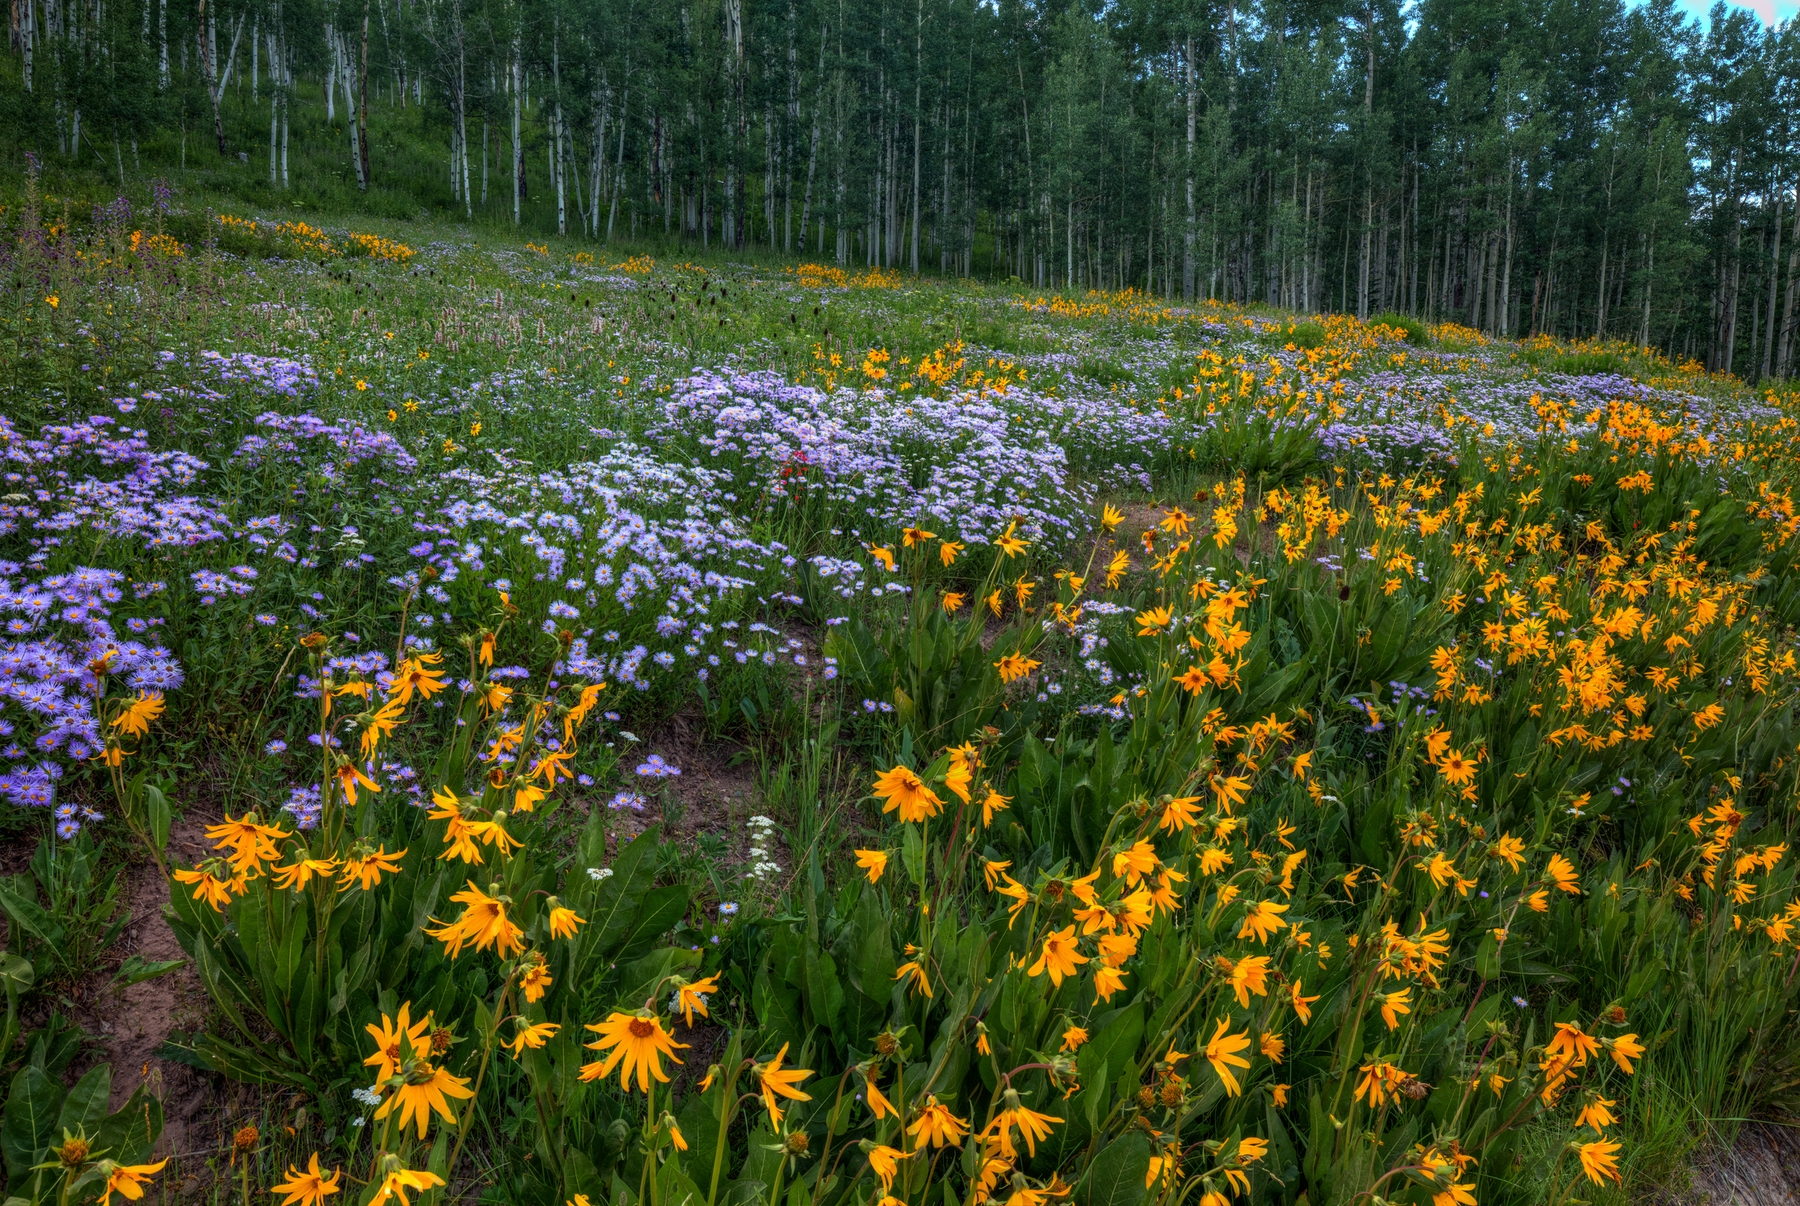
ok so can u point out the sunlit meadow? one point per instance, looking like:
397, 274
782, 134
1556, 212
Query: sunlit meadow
1197, 756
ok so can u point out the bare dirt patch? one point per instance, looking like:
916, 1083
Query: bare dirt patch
134, 1022
1762, 1168
715, 794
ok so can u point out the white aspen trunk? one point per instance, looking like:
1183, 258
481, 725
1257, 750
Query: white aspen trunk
944, 224
1737, 265
572, 166
618, 173
331, 74
1505, 325
362, 105
351, 112
812, 149
28, 44
918, 126
518, 147
734, 68
1187, 237
771, 157
255, 27
1306, 249
598, 159
1368, 231
162, 45
1786, 368
1768, 356
396, 60
559, 133
842, 249
274, 106
462, 124
556, 137
1600, 301
793, 121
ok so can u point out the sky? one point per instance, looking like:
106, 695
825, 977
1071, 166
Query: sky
1771, 11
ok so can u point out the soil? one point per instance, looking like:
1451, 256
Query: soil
1762, 1168
134, 1022
716, 789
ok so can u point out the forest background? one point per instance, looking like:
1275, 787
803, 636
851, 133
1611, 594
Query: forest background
1575, 168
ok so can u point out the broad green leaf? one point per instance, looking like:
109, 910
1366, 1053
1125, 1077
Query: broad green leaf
16, 974
1117, 1177
136, 969
85, 1106
616, 902
131, 1132
156, 806
31, 917
28, 1125
912, 853
659, 910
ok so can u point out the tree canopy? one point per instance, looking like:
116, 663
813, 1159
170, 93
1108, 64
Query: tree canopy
1576, 167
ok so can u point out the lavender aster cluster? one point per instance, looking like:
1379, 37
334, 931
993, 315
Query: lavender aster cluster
58, 641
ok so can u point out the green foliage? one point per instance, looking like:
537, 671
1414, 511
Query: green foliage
64, 907
1315, 604
1591, 364
1308, 334
1408, 327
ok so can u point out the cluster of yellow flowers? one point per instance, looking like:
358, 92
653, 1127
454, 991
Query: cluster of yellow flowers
377, 247
155, 244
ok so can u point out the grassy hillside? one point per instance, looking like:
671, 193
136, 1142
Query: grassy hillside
1164, 754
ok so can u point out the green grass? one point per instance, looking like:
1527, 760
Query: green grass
559, 356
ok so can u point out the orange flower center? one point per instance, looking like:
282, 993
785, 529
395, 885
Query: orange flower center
641, 1028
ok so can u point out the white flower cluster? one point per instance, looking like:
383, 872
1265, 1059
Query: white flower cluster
762, 839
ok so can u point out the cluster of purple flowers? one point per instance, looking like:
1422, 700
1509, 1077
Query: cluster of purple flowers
267, 374
304, 806
970, 463
654, 767
326, 448
59, 644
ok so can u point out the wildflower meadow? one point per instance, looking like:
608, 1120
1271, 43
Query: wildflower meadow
604, 729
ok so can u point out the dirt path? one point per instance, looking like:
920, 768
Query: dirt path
134, 1022
1762, 1168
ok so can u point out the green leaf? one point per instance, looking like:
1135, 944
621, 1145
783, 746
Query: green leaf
85, 1106
636, 979
136, 969
1115, 1045
1117, 1177
912, 853
31, 917
676, 1188
28, 1125
156, 807
699, 1123
824, 995
1487, 958
660, 910
129, 1134
616, 901
16, 974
